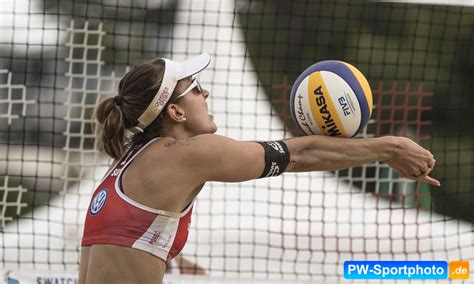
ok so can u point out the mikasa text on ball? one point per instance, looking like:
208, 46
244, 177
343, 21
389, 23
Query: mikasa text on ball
331, 98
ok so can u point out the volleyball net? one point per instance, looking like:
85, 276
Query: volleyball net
58, 59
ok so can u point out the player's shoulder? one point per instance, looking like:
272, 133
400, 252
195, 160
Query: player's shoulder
185, 154
172, 146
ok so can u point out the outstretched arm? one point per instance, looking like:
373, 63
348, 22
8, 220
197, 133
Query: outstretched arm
323, 153
212, 157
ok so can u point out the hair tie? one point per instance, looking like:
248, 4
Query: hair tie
118, 100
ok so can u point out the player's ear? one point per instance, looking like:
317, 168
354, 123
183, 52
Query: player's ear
176, 113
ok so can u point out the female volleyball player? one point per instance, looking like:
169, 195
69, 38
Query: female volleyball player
139, 216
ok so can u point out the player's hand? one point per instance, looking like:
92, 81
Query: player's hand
412, 161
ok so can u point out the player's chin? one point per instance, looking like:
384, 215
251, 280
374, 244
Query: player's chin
213, 128
212, 125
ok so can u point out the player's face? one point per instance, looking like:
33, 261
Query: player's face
193, 99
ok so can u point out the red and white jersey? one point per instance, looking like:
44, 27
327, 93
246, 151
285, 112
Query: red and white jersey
113, 218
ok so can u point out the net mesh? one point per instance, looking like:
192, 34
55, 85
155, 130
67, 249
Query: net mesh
59, 58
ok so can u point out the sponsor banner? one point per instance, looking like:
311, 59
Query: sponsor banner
50, 277
39, 277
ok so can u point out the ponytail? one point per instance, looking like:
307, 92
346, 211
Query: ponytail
110, 129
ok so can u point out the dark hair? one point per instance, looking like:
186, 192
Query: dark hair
116, 114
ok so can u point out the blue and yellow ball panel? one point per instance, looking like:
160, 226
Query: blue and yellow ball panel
355, 80
331, 98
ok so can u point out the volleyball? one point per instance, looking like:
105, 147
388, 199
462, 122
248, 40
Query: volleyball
331, 98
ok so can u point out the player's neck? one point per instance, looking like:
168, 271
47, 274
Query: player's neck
178, 132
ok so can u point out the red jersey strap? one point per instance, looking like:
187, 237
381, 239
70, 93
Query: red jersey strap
128, 156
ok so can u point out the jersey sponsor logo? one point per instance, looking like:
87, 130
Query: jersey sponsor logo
158, 239
99, 201
155, 237
166, 242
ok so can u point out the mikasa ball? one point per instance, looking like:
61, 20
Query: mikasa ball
331, 98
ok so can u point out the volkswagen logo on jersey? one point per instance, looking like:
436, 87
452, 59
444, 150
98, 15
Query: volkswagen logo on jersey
98, 201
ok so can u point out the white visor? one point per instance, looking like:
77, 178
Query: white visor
174, 71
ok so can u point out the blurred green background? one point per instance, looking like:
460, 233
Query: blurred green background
407, 43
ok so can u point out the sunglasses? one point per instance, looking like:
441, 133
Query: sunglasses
194, 84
